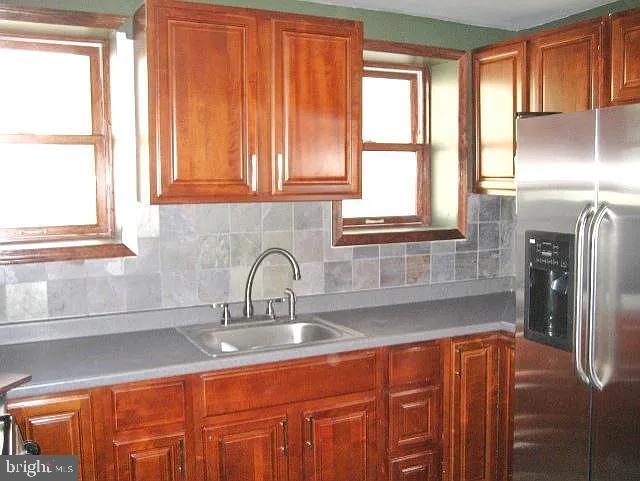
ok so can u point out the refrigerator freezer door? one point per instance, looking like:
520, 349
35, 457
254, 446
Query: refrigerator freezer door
555, 180
616, 409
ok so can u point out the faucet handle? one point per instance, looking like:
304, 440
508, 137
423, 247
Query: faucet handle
226, 313
271, 311
290, 296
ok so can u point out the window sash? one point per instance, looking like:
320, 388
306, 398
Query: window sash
419, 79
423, 212
419, 145
96, 50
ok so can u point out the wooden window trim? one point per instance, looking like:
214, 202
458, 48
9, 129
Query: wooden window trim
418, 75
61, 17
97, 51
351, 236
53, 243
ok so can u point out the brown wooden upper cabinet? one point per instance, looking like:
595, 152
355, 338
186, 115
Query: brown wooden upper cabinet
623, 59
500, 91
562, 70
565, 69
247, 105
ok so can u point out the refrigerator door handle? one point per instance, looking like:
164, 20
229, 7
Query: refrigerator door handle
578, 268
594, 234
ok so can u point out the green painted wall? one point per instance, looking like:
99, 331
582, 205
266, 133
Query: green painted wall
595, 12
378, 25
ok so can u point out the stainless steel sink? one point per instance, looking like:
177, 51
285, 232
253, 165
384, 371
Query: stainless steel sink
215, 340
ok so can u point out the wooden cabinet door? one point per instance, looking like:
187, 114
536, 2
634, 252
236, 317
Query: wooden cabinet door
625, 58
60, 425
317, 76
474, 410
339, 442
500, 91
203, 103
157, 459
414, 418
248, 450
506, 370
416, 467
565, 69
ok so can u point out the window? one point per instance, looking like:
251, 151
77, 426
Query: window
414, 148
55, 173
395, 157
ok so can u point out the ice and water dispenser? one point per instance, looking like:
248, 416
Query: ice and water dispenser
548, 288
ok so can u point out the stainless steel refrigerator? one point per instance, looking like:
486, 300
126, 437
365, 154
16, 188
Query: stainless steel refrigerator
577, 388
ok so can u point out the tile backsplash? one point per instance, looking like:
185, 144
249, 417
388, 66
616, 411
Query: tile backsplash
191, 254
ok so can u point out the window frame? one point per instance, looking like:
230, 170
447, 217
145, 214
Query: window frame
80, 27
419, 143
100, 139
345, 235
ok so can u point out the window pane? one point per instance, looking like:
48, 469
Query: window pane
389, 186
44, 92
47, 185
386, 114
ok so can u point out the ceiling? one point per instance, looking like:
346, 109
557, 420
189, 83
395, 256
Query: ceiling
507, 14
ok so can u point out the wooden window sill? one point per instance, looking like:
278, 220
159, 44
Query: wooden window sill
389, 235
22, 254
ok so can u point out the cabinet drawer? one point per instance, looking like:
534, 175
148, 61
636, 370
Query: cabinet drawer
416, 467
276, 384
415, 364
148, 405
414, 418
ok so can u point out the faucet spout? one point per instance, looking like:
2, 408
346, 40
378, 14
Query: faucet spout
248, 303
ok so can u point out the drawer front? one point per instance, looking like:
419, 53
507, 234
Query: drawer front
414, 418
415, 364
416, 467
285, 383
148, 405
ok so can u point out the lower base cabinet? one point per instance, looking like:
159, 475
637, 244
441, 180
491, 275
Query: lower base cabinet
340, 442
481, 384
416, 467
433, 411
60, 424
252, 449
157, 459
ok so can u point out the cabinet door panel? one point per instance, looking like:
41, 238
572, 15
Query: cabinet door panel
158, 459
416, 467
340, 443
318, 68
206, 103
414, 418
60, 425
499, 93
474, 411
505, 422
564, 69
625, 57
253, 450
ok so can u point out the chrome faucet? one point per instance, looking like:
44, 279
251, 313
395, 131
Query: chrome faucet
248, 304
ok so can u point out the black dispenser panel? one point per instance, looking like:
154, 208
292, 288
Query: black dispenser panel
549, 288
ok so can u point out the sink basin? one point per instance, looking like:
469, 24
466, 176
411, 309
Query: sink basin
216, 340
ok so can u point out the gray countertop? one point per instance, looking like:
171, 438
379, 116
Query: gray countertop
84, 362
